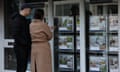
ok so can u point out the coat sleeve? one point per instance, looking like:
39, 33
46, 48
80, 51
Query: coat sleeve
47, 31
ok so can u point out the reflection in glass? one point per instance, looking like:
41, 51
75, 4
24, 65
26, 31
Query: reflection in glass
11, 7
103, 30
10, 59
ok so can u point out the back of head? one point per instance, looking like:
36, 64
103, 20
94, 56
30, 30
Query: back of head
25, 5
25, 9
38, 14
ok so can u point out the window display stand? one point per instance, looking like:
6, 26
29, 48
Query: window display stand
66, 57
103, 44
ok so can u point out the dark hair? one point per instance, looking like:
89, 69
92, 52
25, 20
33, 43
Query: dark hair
25, 5
38, 14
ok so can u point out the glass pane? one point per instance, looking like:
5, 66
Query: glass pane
10, 59
58, 11
113, 9
64, 9
65, 14
11, 7
103, 35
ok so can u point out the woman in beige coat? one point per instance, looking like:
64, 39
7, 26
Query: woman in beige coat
40, 34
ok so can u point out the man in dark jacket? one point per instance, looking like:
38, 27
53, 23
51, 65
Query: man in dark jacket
22, 38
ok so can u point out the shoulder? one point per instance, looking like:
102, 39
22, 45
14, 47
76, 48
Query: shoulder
45, 24
19, 18
32, 24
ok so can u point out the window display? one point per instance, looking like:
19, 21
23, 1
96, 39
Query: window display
113, 43
68, 43
103, 37
65, 23
66, 61
97, 22
113, 60
97, 64
65, 42
97, 42
113, 21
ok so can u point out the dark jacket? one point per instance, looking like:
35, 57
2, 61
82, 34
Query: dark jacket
20, 30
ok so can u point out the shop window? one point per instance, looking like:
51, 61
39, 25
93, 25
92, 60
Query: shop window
64, 9
100, 10
113, 9
10, 7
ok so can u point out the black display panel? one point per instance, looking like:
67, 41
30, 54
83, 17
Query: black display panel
100, 1
10, 7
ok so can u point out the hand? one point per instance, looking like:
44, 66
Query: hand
52, 27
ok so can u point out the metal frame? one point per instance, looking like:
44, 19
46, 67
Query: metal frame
2, 37
50, 23
105, 13
82, 31
82, 37
119, 31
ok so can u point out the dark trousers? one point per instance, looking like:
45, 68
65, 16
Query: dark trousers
22, 57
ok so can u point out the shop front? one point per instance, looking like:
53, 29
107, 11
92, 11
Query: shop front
86, 34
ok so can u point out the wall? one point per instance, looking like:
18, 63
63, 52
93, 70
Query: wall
1, 37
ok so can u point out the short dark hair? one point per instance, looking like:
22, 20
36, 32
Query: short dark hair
25, 5
38, 14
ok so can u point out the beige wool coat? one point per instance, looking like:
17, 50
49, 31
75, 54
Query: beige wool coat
41, 52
